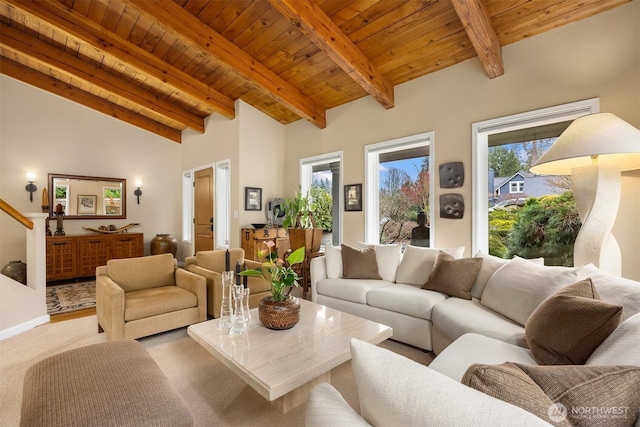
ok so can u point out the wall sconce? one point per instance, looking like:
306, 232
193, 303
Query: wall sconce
138, 191
31, 187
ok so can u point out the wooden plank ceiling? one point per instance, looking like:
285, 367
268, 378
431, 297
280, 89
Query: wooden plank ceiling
165, 65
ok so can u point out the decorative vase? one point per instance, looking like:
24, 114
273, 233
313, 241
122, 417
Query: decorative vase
279, 314
164, 244
17, 270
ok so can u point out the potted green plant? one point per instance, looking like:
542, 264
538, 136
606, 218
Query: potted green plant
300, 223
280, 310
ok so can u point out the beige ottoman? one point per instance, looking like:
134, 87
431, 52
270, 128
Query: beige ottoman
115, 383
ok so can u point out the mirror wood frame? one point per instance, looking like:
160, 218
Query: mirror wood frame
52, 177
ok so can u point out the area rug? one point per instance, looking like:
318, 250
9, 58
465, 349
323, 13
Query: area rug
71, 297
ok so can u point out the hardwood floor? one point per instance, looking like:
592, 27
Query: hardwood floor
72, 315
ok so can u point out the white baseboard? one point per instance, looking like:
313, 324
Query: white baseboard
18, 329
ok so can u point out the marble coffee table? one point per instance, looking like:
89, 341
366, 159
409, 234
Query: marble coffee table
283, 366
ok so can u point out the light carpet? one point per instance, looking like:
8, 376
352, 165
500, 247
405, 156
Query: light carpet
71, 297
216, 396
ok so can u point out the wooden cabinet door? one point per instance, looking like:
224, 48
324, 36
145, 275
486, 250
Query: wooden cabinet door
92, 252
61, 258
127, 246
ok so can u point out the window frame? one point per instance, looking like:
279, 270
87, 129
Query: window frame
480, 132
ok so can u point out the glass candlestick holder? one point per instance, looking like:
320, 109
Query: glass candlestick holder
225, 307
238, 324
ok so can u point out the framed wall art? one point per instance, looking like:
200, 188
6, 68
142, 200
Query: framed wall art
353, 197
87, 204
252, 199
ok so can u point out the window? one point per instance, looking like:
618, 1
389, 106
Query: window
398, 186
321, 177
222, 204
187, 207
507, 135
516, 187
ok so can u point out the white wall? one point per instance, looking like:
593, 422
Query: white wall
254, 143
595, 57
44, 133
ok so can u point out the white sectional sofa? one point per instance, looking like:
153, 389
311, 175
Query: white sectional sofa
469, 382
504, 294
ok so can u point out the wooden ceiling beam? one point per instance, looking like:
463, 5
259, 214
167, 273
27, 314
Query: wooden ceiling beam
47, 83
325, 34
186, 26
71, 65
65, 19
483, 36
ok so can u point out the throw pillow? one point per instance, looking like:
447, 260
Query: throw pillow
621, 346
491, 264
614, 289
569, 325
519, 286
333, 261
417, 263
388, 259
397, 391
359, 263
453, 277
564, 395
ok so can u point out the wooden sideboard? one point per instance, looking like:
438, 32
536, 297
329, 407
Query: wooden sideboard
253, 239
78, 255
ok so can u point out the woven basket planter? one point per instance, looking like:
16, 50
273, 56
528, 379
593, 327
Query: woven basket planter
279, 314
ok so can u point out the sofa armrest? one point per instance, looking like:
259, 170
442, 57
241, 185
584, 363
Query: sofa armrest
214, 288
110, 306
327, 407
318, 267
196, 284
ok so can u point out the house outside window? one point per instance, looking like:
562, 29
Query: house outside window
516, 187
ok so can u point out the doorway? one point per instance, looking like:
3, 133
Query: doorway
203, 209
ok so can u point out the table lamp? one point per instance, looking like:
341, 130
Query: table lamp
594, 149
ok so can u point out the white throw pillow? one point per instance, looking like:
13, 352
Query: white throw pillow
491, 264
387, 258
334, 261
417, 263
519, 286
621, 347
614, 289
397, 391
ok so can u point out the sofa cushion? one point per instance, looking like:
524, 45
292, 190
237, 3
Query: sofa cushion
354, 290
614, 289
359, 263
397, 391
417, 263
621, 346
134, 274
151, 302
519, 286
457, 317
388, 258
454, 360
215, 260
564, 395
570, 324
333, 261
491, 264
405, 299
453, 277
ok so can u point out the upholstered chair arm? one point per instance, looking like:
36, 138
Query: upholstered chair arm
190, 260
251, 264
196, 284
214, 288
110, 307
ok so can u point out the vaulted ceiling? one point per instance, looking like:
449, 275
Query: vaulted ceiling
165, 65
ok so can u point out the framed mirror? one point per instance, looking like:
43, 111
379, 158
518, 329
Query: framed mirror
87, 197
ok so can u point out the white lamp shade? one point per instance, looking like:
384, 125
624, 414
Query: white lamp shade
611, 139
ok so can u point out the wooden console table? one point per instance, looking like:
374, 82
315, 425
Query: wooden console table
253, 239
78, 255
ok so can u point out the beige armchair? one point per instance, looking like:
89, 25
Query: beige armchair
210, 264
136, 297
